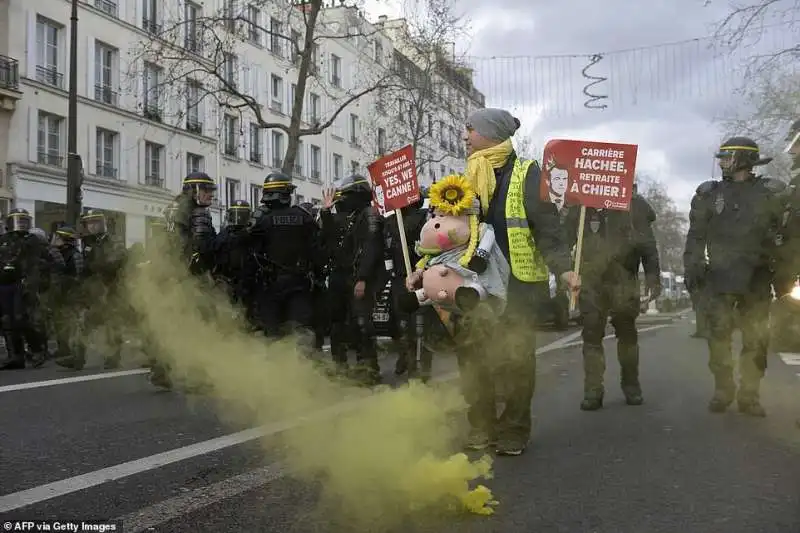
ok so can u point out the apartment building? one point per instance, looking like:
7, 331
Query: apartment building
793, 148
141, 127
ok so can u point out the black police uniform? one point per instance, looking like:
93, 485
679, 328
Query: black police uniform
66, 319
189, 229
232, 259
736, 221
319, 289
354, 240
614, 244
285, 244
21, 258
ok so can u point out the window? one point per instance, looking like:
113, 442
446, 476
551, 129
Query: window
48, 35
354, 167
316, 156
50, 131
300, 199
152, 160
442, 170
106, 6
336, 71
253, 31
193, 95
314, 108
298, 162
193, 36
105, 61
231, 130
295, 46
230, 66
277, 149
338, 166
354, 129
292, 94
255, 143
230, 15
150, 16
314, 67
379, 52
255, 194
276, 90
381, 141
194, 163
276, 37
152, 92
233, 188
106, 153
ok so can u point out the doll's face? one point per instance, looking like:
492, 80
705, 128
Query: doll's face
444, 232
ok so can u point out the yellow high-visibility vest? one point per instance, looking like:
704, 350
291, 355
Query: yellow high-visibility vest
527, 262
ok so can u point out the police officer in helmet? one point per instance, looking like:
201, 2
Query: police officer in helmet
232, 264
734, 220
354, 237
193, 221
285, 243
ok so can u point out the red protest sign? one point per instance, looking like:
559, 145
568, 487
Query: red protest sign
394, 180
591, 174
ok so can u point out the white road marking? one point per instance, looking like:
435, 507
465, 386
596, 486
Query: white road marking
24, 498
48, 491
75, 379
791, 359
152, 516
608, 337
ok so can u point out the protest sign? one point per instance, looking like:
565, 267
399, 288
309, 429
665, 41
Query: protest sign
587, 173
394, 180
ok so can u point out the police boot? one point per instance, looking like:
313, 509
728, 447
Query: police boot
724, 393
73, 362
38, 358
749, 403
594, 368
13, 362
628, 356
159, 377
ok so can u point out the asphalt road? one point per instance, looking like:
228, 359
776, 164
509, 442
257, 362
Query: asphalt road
114, 447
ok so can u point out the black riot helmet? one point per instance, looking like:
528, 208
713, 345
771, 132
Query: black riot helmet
18, 220
278, 189
64, 235
201, 186
239, 214
739, 153
353, 192
95, 222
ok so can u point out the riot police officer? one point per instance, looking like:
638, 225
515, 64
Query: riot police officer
354, 239
21, 258
615, 243
66, 319
735, 219
285, 245
231, 256
319, 289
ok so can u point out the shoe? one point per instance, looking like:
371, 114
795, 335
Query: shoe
720, 402
592, 401
71, 362
752, 407
511, 446
633, 395
477, 440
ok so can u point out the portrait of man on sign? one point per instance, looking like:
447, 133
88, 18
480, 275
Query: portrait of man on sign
380, 199
556, 178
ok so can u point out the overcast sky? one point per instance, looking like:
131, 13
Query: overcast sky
663, 99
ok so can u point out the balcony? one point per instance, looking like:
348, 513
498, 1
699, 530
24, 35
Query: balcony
193, 125
298, 170
51, 158
257, 157
152, 112
154, 180
106, 7
104, 94
50, 76
336, 81
9, 83
151, 26
229, 150
106, 170
276, 106
315, 176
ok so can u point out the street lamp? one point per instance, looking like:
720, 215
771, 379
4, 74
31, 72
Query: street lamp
74, 163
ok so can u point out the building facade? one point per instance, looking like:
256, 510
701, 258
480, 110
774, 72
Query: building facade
147, 116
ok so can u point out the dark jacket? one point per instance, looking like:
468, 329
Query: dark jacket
543, 218
616, 242
354, 243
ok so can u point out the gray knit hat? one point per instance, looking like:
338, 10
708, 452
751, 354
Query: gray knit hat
494, 124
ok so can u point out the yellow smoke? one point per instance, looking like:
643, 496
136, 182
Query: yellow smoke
387, 456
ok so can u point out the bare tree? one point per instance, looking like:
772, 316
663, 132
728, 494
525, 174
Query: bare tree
427, 105
203, 57
670, 226
748, 20
772, 105
525, 147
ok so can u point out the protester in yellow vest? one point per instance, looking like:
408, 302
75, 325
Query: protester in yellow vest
530, 234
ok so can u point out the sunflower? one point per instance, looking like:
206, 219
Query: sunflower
452, 195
